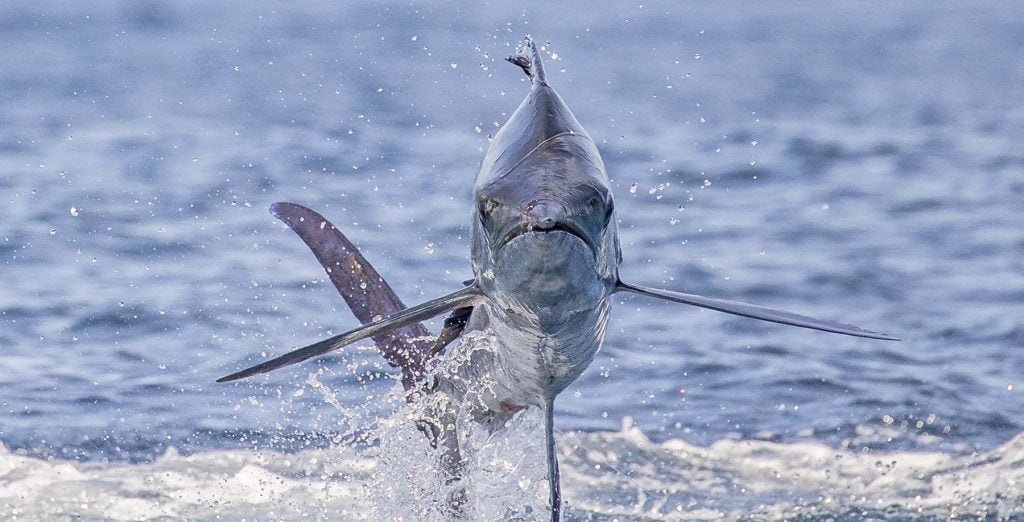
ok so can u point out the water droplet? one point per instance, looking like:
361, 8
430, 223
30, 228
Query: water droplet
632, 188
53, 231
73, 211
454, 65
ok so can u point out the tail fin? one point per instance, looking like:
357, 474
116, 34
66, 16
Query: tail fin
367, 293
527, 57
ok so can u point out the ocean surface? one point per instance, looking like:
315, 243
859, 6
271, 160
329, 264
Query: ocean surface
855, 161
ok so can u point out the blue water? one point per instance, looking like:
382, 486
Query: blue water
856, 162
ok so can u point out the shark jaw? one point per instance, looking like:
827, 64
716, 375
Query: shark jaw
541, 231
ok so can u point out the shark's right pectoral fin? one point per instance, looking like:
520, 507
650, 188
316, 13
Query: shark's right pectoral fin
466, 297
755, 312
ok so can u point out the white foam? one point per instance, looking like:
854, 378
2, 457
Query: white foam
609, 474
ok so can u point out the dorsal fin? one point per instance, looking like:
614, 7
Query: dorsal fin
367, 293
527, 57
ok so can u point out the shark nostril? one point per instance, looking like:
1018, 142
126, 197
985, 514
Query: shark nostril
544, 215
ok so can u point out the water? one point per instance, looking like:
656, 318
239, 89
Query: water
856, 163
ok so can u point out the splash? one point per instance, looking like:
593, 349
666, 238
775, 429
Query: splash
502, 472
391, 472
607, 475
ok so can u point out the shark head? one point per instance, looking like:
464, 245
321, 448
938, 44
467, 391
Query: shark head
544, 216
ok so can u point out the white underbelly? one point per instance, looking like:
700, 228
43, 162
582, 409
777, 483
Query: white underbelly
509, 366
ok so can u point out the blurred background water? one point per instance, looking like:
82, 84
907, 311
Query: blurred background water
858, 162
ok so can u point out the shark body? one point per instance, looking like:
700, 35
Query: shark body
546, 257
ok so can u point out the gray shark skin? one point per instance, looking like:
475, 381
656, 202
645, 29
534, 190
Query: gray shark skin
545, 255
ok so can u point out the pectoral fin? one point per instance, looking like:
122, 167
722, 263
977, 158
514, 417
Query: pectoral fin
465, 297
755, 312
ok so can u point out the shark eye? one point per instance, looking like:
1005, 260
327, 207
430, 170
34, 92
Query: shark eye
486, 207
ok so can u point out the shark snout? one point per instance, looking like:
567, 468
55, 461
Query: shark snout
544, 214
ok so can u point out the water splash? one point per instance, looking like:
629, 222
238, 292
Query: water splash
503, 474
606, 475
390, 471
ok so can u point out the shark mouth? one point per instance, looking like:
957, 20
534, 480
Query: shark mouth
531, 228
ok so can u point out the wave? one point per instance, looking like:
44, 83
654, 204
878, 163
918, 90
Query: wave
618, 475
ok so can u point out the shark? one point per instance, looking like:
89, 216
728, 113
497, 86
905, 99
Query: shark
545, 261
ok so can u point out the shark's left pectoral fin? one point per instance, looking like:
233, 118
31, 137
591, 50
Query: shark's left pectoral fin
755, 312
466, 297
